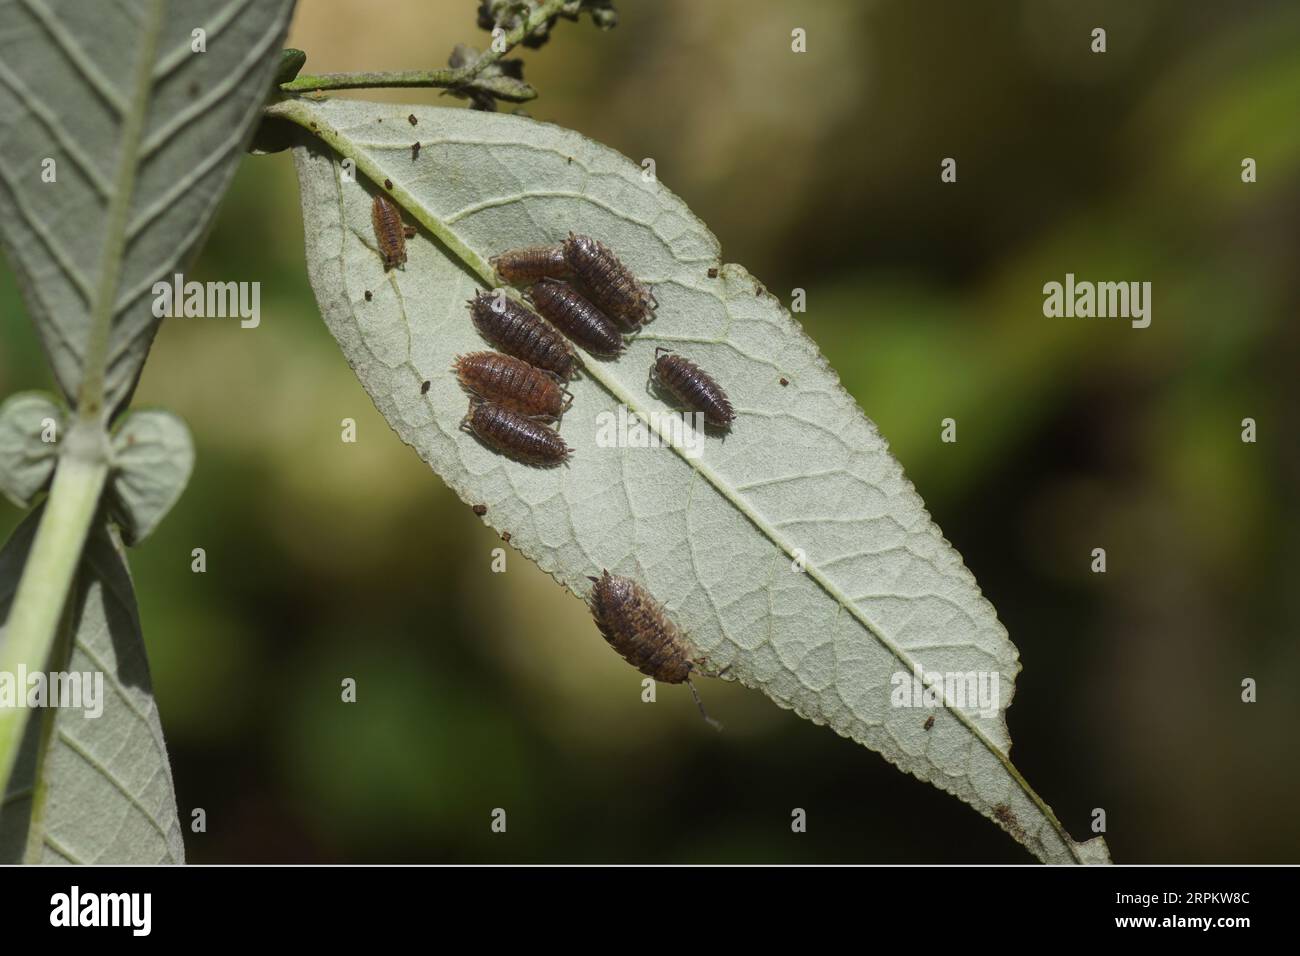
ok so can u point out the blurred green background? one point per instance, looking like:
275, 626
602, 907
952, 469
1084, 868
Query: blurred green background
819, 171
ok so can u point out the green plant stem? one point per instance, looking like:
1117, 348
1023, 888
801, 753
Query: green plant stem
47, 576
451, 78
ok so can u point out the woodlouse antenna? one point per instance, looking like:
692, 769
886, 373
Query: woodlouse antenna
716, 725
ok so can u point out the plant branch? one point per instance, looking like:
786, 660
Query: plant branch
48, 572
453, 78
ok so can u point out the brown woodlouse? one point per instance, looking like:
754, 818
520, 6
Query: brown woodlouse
390, 232
521, 333
693, 386
635, 625
929, 722
513, 383
613, 287
525, 266
566, 309
515, 435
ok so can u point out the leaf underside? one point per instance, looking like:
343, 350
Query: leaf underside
802, 470
125, 209
117, 140
91, 789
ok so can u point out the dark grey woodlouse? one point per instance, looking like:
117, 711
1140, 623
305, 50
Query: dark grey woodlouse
612, 286
520, 332
638, 628
514, 383
571, 313
521, 438
693, 387
525, 266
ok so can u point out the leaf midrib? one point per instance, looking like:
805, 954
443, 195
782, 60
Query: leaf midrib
90, 399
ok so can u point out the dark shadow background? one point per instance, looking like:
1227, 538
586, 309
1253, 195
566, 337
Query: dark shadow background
818, 171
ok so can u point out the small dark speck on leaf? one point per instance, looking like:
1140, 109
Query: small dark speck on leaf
1007, 817
505, 536
713, 273
194, 89
313, 125
424, 388
784, 382
369, 295
929, 722
570, 159
415, 151
412, 120
388, 184
480, 510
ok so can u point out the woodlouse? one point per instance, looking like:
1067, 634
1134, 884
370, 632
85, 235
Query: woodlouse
513, 383
566, 309
517, 330
390, 232
613, 287
693, 386
515, 435
424, 387
637, 627
929, 722
479, 510
525, 266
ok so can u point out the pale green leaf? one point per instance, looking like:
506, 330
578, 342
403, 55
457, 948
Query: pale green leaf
26, 457
91, 789
143, 135
153, 456
802, 470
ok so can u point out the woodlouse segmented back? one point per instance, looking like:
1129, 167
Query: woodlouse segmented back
518, 331
389, 231
639, 629
613, 287
525, 266
577, 318
515, 435
635, 625
514, 383
693, 387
